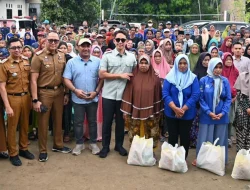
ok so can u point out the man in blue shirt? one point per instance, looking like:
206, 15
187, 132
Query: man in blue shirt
5, 30
12, 34
81, 77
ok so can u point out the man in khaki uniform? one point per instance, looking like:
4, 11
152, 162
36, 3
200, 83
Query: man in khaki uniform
14, 89
3, 146
47, 90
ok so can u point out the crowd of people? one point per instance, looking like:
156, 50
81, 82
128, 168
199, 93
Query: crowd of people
165, 83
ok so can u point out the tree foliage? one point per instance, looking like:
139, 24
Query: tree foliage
69, 11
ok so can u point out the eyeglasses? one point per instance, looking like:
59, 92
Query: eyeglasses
16, 47
53, 40
120, 39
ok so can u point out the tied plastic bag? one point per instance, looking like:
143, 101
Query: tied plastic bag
173, 158
241, 168
212, 158
141, 152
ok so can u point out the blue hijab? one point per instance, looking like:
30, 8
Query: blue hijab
179, 79
30, 41
218, 85
213, 41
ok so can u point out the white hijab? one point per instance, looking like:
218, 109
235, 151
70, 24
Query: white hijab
72, 53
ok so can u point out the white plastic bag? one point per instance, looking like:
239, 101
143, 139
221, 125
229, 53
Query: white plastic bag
141, 152
241, 168
173, 158
212, 158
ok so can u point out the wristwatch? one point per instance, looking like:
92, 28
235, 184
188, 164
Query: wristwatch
35, 100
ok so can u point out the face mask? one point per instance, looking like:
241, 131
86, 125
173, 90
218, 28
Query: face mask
150, 25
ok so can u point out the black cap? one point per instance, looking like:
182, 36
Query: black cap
143, 23
5, 22
181, 32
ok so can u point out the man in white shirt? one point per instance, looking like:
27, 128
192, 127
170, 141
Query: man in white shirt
240, 62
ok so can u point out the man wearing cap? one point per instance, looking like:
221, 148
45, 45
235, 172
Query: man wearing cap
40, 36
188, 40
101, 42
166, 33
13, 33
48, 94
62, 31
180, 38
150, 27
47, 26
104, 26
14, 90
4, 30
142, 28
71, 29
116, 68
81, 77
242, 30
80, 34
71, 40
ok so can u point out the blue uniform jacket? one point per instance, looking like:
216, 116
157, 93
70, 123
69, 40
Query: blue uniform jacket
206, 101
191, 95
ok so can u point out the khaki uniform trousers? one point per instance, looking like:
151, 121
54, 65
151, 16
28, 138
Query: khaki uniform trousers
3, 145
21, 107
53, 100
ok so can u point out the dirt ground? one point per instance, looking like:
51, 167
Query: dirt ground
87, 171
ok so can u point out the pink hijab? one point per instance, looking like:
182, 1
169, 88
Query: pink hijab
163, 68
96, 47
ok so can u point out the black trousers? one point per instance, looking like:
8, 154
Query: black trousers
176, 128
111, 108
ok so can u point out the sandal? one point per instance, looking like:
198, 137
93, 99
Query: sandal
66, 138
32, 136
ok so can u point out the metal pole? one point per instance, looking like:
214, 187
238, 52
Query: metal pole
100, 12
199, 8
217, 9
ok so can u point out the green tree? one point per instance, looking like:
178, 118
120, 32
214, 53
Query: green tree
70, 11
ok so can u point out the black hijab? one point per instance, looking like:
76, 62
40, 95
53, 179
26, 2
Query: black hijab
200, 70
245, 54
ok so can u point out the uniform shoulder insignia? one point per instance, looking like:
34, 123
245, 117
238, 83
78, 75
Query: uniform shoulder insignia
39, 52
26, 58
3, 61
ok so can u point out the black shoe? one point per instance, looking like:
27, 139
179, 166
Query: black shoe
26, 154
62, 150
122, 151
4, 155
15, 160
104, 152
43, 157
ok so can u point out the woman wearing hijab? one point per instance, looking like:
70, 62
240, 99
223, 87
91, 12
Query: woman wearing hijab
97, 52
41, 45
212, 42
149, 47
212, 31
247, 51
214, 51
215, 101
227, 45
28, 39
142, 101
166, 47
205, 38
231, 73
194, 55
180, 93
67, 109
159, 64
242, 115
33, 132
71, 50
200, 71
217, 36
225, 32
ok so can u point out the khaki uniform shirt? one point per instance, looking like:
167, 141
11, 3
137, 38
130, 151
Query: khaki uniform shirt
50, 68
16, 74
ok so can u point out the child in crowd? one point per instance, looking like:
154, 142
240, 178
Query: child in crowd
4, 53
